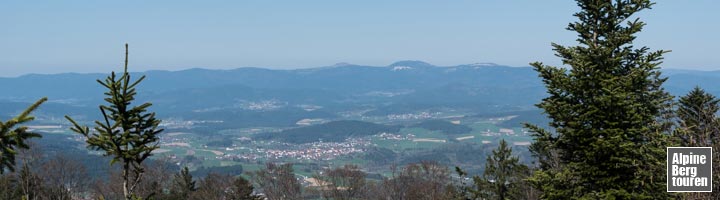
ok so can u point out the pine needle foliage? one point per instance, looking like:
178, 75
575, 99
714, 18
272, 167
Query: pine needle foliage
13, 136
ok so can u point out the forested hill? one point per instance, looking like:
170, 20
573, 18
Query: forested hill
406, 78
263, 97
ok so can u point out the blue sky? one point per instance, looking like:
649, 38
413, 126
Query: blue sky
87, 36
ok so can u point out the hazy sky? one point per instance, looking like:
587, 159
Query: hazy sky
88, 36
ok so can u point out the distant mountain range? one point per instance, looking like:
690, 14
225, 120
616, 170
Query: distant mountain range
263, 97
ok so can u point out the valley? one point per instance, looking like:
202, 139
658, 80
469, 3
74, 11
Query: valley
373, 117
187, 143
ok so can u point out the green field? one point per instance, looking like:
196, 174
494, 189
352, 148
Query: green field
413, 141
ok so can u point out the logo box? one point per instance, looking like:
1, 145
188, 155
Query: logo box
684, 167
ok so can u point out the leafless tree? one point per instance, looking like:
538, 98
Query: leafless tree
157, 177
29, 183
425, 180
109, 188
347, 182
213, 186
224, 187
278, 182
8, 187
63, 178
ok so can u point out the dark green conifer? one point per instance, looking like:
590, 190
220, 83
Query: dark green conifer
696, 112
183, 184
126, 133
502, 177
700, 127
607, 140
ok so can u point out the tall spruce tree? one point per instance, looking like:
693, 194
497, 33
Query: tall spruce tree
127, 133
13, 138
700, 127
608, 141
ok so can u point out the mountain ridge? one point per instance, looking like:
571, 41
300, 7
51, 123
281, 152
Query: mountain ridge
346, 91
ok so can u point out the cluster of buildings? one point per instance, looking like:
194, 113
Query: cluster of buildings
506, 131
390, 136
409, 116
310, 151
262, 105
185, 124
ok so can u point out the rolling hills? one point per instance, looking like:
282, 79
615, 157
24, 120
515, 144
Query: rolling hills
249, 97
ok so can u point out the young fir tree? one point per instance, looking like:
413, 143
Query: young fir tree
699, 127
12, 139
127, 133
608, 140
183, 184
502, 177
